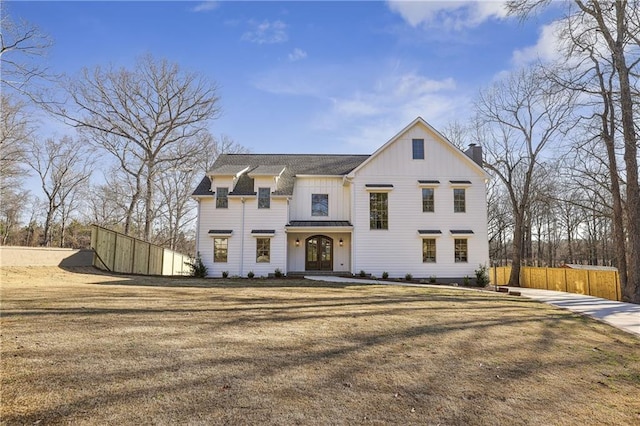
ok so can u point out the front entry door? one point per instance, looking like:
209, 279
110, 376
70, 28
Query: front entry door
319, 253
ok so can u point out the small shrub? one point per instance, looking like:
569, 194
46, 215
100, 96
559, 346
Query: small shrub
385, 275
466, 280
363, 274
277, 273
251, 274
225, 274
482, 276
408, 277
197, 268
432, 279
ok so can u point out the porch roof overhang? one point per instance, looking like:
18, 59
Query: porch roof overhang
319, 225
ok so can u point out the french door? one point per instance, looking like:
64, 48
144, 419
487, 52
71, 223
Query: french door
319, 253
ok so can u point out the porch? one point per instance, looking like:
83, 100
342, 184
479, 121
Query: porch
319, 247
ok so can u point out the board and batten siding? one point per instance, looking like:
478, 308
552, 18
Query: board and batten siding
338, 196
241, 239
398, 250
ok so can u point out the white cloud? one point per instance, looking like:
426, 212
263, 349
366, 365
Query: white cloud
266, 32
374, 115
452, 15
205, 6
297, 55
361, 110
546, 49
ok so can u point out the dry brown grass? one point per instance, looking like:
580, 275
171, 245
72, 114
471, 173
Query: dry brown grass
90, 348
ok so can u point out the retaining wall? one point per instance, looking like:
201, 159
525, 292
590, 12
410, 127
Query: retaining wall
44, 256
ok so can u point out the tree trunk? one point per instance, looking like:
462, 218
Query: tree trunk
516, 258
148, 201
46, 237
631, 291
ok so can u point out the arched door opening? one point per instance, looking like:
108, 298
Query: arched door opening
319, 253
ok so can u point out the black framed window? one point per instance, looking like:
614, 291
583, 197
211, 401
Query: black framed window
461, 251
319, 204
220, 250
263, 250
429, 250
264, 198
428, 200
418, 149
459, 200
222, 202
378, 210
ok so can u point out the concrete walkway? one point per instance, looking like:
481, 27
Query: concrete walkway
625, 316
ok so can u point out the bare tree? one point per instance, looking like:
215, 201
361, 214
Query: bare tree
15, 130
11, 208
147, 118
21, 47
61, 166
176, 185
108, 204
608, 34
458, 134
518, 118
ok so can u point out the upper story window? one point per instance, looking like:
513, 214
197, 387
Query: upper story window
459, 200
378, 210
418, 149
222, 202
264, 198
428, 201
319, 204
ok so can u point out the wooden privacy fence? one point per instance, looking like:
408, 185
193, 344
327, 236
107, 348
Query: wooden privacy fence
117, 252
604, 284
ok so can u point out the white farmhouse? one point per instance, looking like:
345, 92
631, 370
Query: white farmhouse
417, 205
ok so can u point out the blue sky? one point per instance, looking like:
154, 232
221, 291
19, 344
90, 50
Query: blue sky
305, 77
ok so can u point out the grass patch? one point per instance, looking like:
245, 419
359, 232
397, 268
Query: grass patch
92, 348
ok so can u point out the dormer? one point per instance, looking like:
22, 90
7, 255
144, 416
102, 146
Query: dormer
266, 176
226, 175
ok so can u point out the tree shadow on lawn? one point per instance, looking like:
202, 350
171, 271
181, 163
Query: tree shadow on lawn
218, 382
234, 282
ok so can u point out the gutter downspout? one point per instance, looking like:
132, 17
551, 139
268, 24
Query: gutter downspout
242, 240
286, 238
353, 222
198, 229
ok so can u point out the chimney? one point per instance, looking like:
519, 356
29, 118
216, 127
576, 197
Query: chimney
475, 153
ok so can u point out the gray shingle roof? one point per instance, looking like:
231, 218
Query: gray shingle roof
295, 164
267, 170
228, 169
203, 187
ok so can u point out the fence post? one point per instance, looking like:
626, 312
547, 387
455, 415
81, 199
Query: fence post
148, 257
546, 278
133, 256
115, 250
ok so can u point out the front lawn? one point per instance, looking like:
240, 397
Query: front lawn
97, 349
